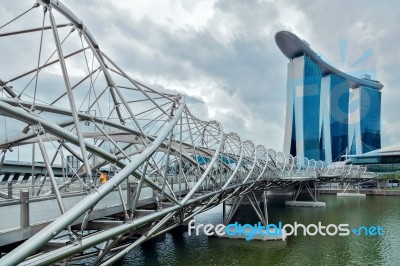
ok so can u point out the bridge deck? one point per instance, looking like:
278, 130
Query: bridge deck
44, 211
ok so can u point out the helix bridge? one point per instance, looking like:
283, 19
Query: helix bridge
63, 99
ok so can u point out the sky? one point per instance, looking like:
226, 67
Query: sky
223, 53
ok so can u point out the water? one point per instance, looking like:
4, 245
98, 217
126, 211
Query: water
178, 248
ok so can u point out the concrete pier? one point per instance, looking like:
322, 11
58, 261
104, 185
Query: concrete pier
305, 203
348, 194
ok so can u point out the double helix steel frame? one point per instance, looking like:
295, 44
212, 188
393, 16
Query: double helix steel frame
103, 117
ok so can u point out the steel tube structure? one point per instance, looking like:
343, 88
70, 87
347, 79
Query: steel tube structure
109, 122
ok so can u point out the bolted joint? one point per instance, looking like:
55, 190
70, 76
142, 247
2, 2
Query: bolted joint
75, 238
38, 129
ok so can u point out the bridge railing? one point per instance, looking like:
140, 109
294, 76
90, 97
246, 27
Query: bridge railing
289, 175
12, 190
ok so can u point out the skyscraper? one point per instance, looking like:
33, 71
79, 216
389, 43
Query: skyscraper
328, 113
303, 106
334, 117
365, 120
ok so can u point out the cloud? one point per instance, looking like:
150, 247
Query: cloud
233, 66
223, 55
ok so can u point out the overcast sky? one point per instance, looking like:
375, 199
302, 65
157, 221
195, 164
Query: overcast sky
223, 52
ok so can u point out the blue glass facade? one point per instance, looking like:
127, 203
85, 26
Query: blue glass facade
319, 123
339, 119
329, 113
311, 108
370, 119
353, 149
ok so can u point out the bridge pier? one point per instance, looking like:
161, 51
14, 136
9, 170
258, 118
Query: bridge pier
250, 199
311, 191
268, 231
350, 194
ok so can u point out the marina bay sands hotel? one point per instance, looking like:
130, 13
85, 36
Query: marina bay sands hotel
329, 113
